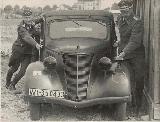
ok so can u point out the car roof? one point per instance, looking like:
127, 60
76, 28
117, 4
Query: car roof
78, 13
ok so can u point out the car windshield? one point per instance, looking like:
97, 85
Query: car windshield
75, 28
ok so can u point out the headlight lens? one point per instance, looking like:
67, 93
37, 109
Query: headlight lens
50, 62
105, 63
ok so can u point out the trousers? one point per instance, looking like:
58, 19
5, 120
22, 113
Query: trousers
23, 63
137, 65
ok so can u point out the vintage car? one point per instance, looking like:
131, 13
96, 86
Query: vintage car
77, 66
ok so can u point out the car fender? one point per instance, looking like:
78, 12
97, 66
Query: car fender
109, 85
35, 77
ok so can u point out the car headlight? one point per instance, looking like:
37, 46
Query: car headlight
105, 63
50, 62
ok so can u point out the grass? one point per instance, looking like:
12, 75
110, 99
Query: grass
8, 28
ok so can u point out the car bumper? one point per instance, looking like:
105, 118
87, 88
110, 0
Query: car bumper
81, 104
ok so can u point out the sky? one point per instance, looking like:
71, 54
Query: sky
42, 3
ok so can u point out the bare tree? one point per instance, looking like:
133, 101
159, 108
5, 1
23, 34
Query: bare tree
54, 7
46, 8
114, 6
16, 8
39, 9
8, 9
24, 7
36, 11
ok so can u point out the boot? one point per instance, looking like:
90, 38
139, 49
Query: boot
138, 104
7, 84
14, 82
12, 87
8, 77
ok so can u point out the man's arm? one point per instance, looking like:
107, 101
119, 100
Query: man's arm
23, 33
38, 20
114, 31
136, 37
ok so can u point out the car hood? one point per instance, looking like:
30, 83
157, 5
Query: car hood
82, 45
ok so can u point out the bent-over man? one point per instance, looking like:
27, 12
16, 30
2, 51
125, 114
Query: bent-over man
21, 50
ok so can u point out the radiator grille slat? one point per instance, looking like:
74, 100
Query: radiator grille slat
77, 71
73, 81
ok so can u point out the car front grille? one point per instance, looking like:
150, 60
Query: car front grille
77, 72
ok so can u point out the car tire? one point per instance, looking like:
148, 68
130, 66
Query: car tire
120, 111
107, 113
35, 111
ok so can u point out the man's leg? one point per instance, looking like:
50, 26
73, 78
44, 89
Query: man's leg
132, 104
24, 64
10, 72
138, 66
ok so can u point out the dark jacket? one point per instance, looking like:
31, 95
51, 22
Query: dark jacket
24, 43
131, 36
24, 39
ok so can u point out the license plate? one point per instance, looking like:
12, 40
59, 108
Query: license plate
46, 93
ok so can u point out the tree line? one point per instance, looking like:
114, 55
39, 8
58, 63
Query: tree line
17, 10
9, 10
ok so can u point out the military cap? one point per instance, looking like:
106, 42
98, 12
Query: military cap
125, 4
27, 12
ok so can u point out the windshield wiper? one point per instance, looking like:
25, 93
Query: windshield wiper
76, 23
98, 21
101, 23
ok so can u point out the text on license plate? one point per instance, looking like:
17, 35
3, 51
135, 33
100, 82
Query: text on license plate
46, 93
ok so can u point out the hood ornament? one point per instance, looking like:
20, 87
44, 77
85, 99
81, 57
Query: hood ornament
78, 48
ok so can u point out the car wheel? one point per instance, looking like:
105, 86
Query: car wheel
35, 111
120, 111
107, 112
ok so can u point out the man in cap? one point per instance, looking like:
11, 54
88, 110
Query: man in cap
131, 48
22, 49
